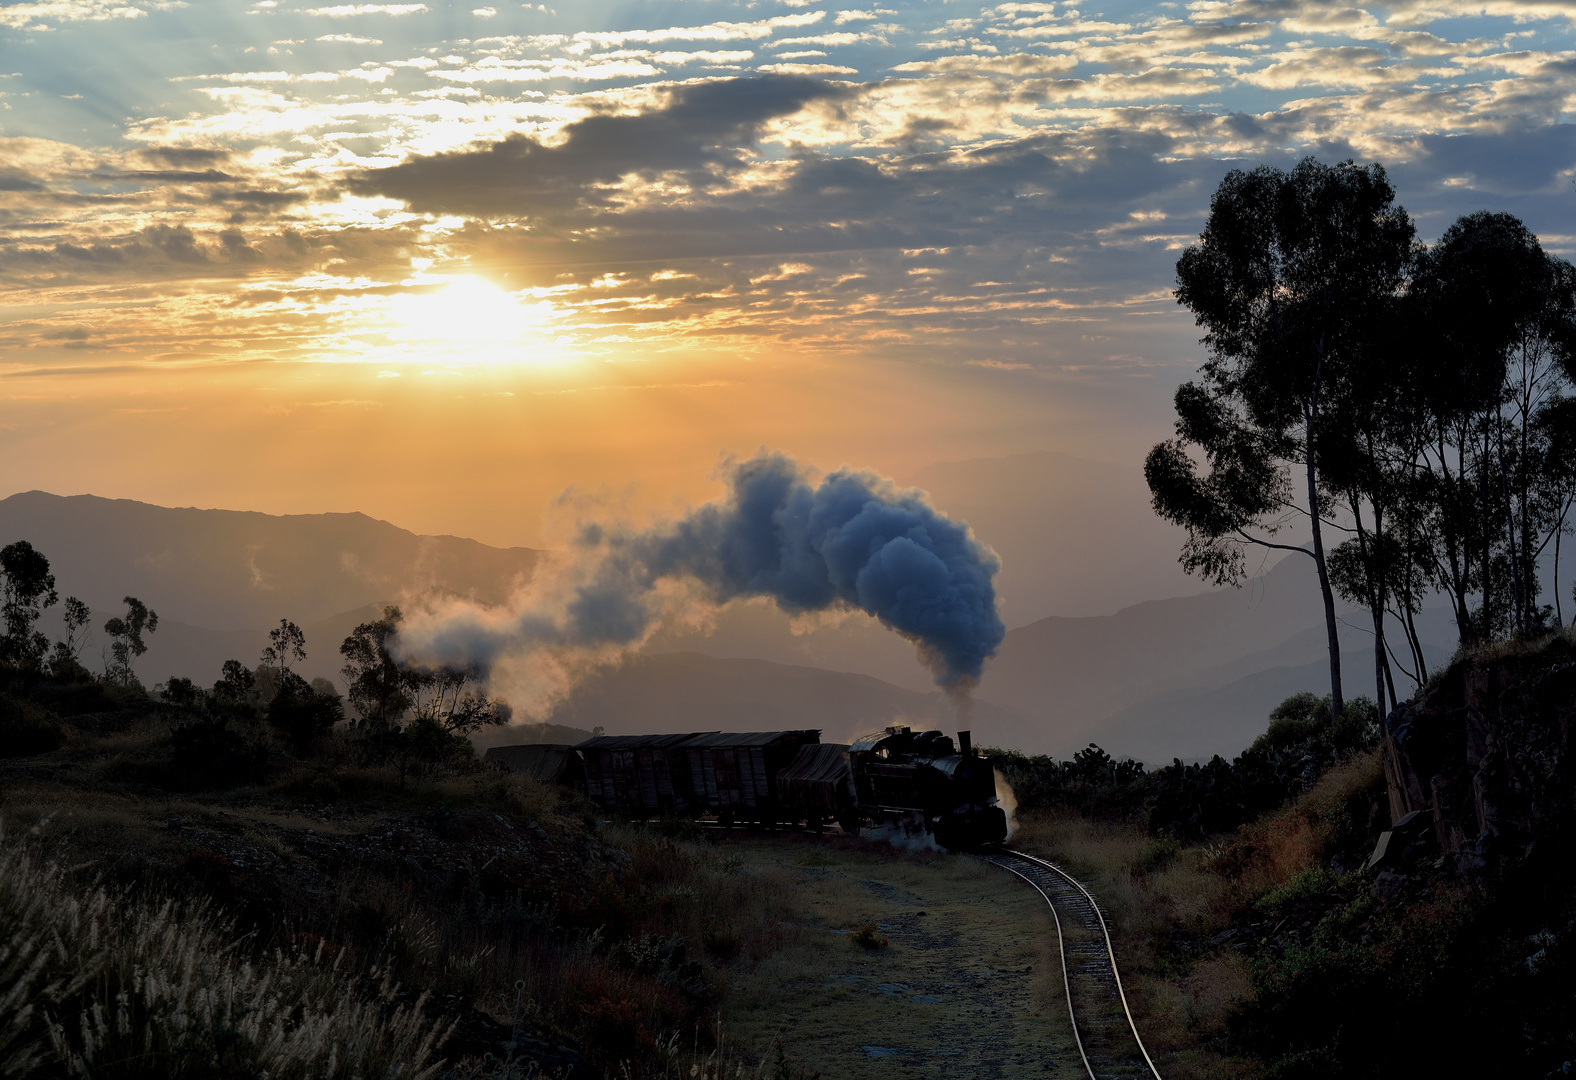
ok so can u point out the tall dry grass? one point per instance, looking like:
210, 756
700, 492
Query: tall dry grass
102, 983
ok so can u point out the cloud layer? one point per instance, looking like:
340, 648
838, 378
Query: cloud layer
1005, 187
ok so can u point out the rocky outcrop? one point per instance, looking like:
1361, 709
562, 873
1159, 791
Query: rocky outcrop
1488, 751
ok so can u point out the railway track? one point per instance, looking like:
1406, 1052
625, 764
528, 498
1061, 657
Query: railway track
1102, 1023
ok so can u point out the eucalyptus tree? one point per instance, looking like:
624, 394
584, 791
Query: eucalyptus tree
1494, 320
378, 684
286, 646
26, 589
68, 650
125, 639
1292, 279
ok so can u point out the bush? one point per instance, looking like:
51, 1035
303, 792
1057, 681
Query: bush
869, 936
1189, 802
26, 729
208, 754
303, 712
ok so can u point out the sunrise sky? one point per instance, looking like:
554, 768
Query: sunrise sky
438, 262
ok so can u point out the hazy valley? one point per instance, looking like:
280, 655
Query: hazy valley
1188, 676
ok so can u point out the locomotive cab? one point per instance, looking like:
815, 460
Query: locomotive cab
899, 773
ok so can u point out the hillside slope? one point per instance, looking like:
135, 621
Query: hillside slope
242, 570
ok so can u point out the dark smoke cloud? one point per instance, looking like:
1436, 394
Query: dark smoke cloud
851, 541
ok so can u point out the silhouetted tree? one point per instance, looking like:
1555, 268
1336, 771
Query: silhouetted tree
303, 711
126, 644
444, 705
27, 588
235, 682
452, 697
182, 693
375, 681
1557, 433
286, 646
1291, 279
1493, 320
67, 656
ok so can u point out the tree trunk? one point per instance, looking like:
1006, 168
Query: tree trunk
1324, 576
1372, 559
1518, 599
1559, 609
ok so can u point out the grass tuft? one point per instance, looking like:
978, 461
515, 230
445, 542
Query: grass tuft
102, 983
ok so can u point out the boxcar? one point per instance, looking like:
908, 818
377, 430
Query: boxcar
640, 775
734, 774
818, 786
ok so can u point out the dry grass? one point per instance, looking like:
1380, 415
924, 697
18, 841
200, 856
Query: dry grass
621, 943
1166, 903
100, 983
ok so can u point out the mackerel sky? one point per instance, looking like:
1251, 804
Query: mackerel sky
969, 215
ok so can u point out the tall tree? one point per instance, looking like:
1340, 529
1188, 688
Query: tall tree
1291, 279
1493, 321
377, 682
453, 698
27, 588
286, 646
125, 639
68, 650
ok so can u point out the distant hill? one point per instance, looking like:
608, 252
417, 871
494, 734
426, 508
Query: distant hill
241, 570
1187, 677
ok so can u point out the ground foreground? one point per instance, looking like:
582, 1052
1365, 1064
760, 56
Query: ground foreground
505, 920
967, 984
463, 922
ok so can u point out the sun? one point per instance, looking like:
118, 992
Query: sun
470, 320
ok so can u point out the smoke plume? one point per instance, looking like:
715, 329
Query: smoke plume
851, 541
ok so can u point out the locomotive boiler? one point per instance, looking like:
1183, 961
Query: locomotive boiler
919, 778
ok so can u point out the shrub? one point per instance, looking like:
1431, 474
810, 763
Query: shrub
303, 712
1191, 801
868, 935
26, 729
208, 753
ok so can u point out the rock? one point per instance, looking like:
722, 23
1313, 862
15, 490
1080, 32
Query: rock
1389, 886
1382, 852
1488, 750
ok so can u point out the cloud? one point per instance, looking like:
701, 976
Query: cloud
1017, 142
345, 11
27, 15
695, 132
717, 31
808, 69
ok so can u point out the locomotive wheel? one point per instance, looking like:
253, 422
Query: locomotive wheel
849, 825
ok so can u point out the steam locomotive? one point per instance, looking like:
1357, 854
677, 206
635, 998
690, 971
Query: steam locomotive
917, 782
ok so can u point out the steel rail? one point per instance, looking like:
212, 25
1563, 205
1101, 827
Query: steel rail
1110, 952
1061, 948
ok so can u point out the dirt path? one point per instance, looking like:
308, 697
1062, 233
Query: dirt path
969, 985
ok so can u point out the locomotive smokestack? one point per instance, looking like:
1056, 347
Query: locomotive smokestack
965, 744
